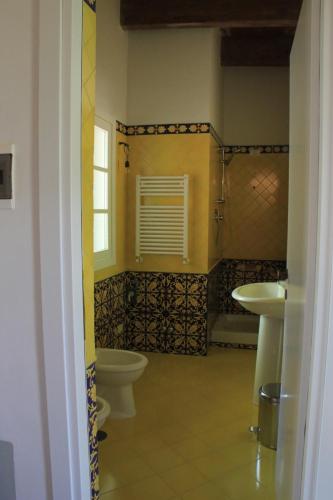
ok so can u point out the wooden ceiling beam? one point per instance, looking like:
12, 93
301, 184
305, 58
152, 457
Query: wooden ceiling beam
152, 14
256, 47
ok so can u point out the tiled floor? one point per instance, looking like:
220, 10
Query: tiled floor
189, 439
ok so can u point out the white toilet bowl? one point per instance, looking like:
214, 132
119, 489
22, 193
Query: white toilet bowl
103, 411
116, 370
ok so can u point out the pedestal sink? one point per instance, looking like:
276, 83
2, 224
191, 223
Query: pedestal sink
267, 300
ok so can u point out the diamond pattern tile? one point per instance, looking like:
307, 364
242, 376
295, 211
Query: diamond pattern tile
256, 208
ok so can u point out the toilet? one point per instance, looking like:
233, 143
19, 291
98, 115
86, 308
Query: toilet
103, 411
116, 371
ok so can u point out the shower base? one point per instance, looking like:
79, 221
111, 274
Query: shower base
236, 329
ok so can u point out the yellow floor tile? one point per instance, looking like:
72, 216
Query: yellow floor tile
241, 484
163, 459
173, 434
114, 452
146, 443
183, 478
191, 448
189, 439
216, 463
231, 433
153, 488
123, 473
208, 491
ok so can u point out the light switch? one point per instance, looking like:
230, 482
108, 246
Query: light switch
6, 176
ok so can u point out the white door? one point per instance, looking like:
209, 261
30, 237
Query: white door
301, 254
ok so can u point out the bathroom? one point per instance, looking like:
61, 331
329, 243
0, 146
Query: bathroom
170, 108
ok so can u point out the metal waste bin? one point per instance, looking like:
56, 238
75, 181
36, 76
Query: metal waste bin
269, 404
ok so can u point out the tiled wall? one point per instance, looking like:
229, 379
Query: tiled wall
165, 155
159, 312
110, 312
213, 298
236, 272
92, 430
176, 149
256, 207
168, 313
172, 312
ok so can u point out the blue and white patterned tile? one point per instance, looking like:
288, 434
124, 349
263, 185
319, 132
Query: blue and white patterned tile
92, 430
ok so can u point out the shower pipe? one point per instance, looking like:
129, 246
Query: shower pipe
224, 163
126, 150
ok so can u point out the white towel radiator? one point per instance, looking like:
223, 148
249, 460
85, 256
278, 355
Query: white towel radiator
162, 229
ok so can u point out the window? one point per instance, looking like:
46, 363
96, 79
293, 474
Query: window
104, 194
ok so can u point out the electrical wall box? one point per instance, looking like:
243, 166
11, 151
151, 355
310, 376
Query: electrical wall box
7, 176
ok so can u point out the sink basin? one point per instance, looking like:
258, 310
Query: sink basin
265, 299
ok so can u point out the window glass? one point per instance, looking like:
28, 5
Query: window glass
101, 190
101, 147
101, 232
104, 193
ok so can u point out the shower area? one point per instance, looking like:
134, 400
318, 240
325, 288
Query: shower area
254, 209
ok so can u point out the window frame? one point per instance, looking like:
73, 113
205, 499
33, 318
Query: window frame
107, 258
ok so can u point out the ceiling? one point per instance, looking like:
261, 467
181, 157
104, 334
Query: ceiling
254, 32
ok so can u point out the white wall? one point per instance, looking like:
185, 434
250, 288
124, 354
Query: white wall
174, 76
111, 62
255, 105
216, 90
22, 415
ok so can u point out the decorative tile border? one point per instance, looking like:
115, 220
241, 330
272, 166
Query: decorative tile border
231, 345
260, 149
92, 430
235, 272
91, 3
120, 127
170, 128
198, 128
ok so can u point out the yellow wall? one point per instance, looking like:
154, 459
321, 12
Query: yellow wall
256, 208
88, 120
174, 154
214, 228
120, 216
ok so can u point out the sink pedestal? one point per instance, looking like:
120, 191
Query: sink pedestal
267, 300
269, 353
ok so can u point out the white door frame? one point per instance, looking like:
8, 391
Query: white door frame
60, 32
317, 462
59, 156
